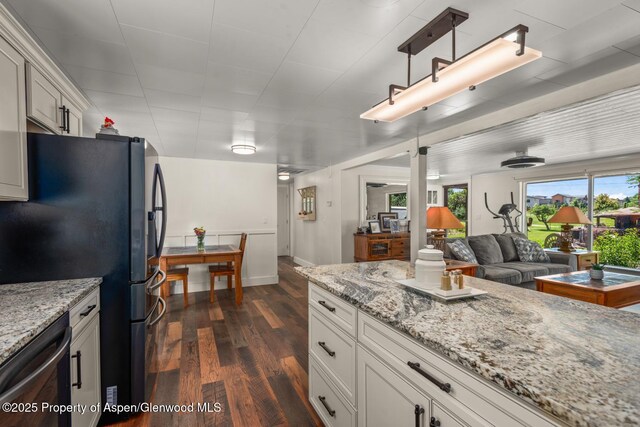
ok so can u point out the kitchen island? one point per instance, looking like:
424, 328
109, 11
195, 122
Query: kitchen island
26, 309
567, 361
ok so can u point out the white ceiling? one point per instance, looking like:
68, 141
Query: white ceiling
293, 76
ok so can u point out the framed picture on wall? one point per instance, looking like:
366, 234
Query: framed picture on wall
374, 226
385, 218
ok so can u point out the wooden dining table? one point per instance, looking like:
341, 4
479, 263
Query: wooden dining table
211, 254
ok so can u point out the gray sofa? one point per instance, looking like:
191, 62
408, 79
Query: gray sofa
498, 260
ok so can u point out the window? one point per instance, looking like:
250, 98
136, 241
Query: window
543, 201
616, 215
456, 198
397, 202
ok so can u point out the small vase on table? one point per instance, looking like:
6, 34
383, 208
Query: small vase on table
200, 233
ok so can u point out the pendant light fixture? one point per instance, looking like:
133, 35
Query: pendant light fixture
500, 55
243, 149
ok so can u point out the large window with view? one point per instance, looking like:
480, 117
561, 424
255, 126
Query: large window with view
616, 215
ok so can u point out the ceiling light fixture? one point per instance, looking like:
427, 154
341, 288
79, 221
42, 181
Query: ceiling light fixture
500, 55
243, 149
283, 176
522, 160
433, 177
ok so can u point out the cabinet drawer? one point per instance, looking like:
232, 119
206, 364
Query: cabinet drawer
335, 352
330, 406
81, 313
399, 251
473, 399
400, 243
339, 312
444, 418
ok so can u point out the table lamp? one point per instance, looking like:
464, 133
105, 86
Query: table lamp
568, 215
441, 218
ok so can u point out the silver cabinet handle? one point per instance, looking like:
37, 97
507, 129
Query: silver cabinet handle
160, 283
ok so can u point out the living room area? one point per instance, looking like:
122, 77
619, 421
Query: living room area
545, 201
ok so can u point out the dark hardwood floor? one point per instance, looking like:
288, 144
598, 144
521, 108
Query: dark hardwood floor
252, 359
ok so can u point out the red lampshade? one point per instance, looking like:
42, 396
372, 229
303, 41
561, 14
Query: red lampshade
442, 218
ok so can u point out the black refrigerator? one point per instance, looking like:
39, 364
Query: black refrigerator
96, 208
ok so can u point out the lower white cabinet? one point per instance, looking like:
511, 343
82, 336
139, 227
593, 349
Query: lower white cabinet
386, 399
362, 369
85, 362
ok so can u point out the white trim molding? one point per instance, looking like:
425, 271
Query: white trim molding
303, 262
14, 33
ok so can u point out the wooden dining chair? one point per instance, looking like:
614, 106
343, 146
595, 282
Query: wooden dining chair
225, 269
182, 275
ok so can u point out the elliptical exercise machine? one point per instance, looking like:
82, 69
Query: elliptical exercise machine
504, 213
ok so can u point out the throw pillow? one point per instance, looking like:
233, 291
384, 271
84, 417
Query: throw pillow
509, 251
486, 248
529, 251
462, 252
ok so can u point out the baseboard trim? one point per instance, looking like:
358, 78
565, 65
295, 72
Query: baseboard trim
176, 287
303, 262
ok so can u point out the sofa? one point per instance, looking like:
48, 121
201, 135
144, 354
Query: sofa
498, 260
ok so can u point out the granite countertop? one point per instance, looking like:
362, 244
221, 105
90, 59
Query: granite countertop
26, 309
575, 360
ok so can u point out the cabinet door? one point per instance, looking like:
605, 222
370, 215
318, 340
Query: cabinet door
13, 125
442, 418
74, 119
43, 101
386, 399
85, 373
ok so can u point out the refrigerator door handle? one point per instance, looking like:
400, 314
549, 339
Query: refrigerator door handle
159, 179
161, 315
152, 288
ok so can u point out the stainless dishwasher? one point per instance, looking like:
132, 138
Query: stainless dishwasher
36, 379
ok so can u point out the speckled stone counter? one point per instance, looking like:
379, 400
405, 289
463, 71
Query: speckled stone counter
26, 309
577, 361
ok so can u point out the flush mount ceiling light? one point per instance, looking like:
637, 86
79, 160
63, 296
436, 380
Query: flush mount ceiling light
243, 149
283, 176
500, 55
522, 160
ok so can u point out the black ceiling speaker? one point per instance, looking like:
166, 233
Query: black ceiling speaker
522, 160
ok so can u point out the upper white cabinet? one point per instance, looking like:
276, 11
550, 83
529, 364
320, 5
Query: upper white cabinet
13, 125
49, 107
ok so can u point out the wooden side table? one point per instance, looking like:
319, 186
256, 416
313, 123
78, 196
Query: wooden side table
467, 268
585, 259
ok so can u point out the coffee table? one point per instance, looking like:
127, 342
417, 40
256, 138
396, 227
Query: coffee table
615, 290
468, 269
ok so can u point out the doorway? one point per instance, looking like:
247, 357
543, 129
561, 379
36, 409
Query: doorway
456, 198
284, 210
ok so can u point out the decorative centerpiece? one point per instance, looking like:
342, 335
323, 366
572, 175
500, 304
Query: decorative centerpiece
200, 233
429, 267
107, 127
597, 271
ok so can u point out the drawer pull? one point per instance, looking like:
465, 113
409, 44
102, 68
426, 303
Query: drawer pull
446, 387
323, 400
418, 411
88, 310
328, 307
434, 422
325, 348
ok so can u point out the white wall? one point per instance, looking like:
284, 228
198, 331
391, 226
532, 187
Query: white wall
226, 198
317, 242
498, 186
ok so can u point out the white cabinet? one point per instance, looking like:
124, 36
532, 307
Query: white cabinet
364, 369
386, 399
85, 360
13, 125
47, 106
73, 119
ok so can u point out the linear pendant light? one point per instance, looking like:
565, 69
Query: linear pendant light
497, 57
